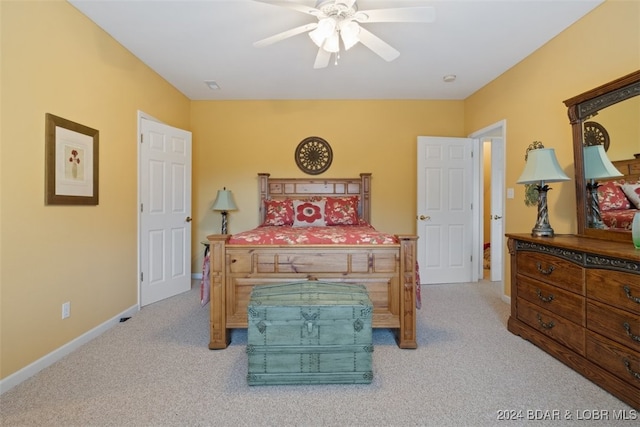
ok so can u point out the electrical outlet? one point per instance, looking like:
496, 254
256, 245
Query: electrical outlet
66, 309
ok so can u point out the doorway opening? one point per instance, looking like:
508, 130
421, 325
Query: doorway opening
489, 241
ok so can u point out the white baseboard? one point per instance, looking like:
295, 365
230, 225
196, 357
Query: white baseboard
27, 372
197, 276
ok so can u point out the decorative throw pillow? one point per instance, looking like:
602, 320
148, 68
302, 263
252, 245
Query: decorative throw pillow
278, 212
308, 214
632, 191
611, 197
341, 210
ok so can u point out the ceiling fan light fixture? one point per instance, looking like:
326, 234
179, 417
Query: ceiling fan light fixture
326, 27
332, 44
349, 32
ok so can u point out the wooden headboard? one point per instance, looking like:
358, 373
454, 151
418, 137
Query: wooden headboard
629, 168
300, 188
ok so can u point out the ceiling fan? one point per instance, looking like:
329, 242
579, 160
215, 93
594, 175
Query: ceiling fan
339, 23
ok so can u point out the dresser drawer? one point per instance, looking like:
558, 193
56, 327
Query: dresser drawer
615, 358
619, 325
556, 327
560, 302
552, 270
619, 289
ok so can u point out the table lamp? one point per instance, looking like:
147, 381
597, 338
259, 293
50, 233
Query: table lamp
224, 203
542, 166
596, 165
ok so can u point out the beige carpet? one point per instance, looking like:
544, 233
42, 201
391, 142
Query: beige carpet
156, 370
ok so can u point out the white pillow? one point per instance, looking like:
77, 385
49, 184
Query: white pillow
632, 191
308, 214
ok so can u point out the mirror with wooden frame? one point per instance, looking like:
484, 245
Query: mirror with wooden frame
607, 115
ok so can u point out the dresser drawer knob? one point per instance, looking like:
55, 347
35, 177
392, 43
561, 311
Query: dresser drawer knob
627, 365
627, 328
544, 325
542, 270
542, 298
627, 290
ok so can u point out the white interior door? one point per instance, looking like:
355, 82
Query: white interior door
165, 211
444, 218
497, 207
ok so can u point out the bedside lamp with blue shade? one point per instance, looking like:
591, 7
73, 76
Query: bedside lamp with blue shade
596, 165
224, 203
542, 166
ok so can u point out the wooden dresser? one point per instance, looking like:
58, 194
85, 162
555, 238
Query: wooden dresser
578, 299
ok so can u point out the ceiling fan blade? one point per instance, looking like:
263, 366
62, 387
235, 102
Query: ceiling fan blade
293, 6
403, 14
322, 59
285, 34
377, 45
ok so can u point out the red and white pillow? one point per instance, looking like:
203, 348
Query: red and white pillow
342, 210
309, 213
611, 197
632, 191
301, 213
278, 212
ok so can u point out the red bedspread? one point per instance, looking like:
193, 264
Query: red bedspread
363, 234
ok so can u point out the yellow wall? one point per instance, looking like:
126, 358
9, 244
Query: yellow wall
602, 46
233, 141
58, 61
55, 60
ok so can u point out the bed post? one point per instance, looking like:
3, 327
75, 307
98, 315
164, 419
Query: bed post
219, 334
263, 191
365, 196
406, 335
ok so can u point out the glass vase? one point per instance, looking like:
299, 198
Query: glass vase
635, 230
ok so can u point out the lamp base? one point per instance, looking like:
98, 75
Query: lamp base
542, 232
594, 217
542, 227
224, 222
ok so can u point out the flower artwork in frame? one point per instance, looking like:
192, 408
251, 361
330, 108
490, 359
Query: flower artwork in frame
71, 162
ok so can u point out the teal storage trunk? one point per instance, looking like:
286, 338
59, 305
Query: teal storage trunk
309, 333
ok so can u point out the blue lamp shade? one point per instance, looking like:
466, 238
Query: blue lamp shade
542, 165
597, 164
224, 201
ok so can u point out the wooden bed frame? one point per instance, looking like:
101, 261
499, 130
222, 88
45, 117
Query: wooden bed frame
387, 271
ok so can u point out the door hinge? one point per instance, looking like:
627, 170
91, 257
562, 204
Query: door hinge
141, 207
141, 276
141, 138
471, 258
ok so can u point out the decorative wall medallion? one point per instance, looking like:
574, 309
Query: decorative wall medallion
595, 134
313, 155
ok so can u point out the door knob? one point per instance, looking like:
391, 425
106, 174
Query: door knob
424, 218
188, 219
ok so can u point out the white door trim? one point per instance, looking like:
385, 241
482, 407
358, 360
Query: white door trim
495, 130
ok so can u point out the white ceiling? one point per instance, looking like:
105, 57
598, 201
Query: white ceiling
189, 42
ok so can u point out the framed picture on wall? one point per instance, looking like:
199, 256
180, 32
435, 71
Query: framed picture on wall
71, 162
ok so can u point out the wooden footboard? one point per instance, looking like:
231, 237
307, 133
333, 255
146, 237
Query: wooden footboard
387, 271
